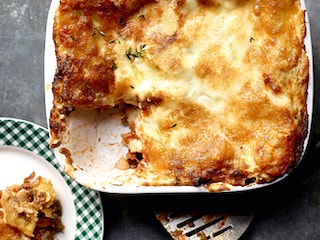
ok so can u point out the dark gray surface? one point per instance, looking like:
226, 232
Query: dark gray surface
288, 210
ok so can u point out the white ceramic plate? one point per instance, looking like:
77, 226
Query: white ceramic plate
100, 146
24, 149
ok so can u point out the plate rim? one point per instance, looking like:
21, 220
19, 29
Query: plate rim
74, 187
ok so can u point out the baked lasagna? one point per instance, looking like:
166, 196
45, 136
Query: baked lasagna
30, 210
212, 91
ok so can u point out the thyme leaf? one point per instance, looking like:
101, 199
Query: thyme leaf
97, 30
121, 36
73, 38
114, 65
137, 53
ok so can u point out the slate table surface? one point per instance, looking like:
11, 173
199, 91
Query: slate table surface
287, 210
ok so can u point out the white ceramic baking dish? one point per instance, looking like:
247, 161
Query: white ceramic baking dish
96, 141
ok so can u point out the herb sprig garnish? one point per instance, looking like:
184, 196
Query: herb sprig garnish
96, 30
137, 53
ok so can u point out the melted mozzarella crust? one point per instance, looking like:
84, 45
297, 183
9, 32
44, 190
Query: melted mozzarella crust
219, 87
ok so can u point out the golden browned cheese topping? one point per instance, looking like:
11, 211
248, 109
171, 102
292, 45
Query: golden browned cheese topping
218, 87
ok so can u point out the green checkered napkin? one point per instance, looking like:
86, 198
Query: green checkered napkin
19, 133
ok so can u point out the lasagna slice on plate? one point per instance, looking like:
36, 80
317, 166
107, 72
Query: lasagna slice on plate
30, 210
